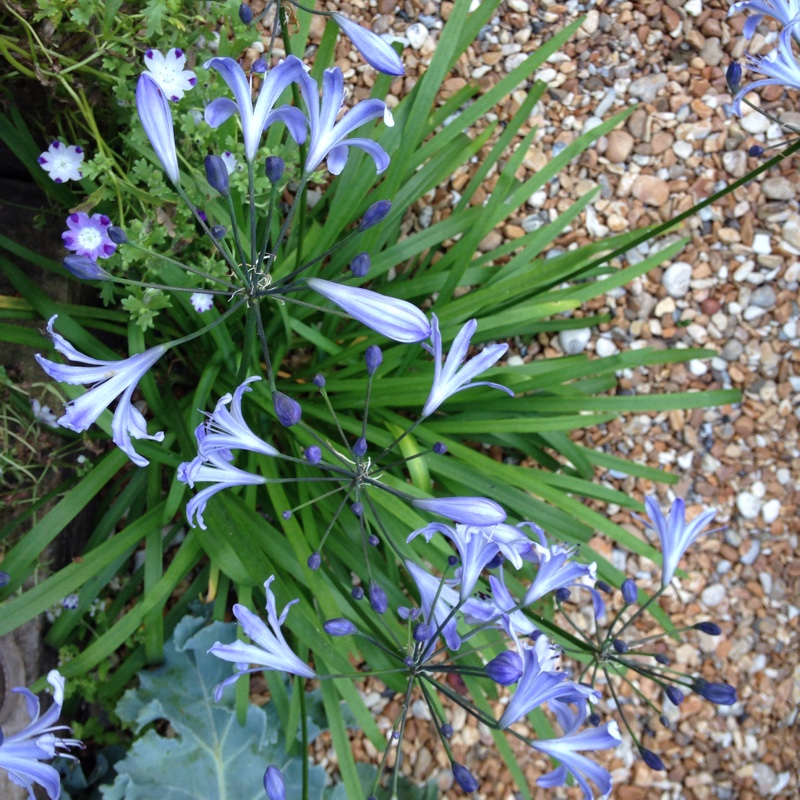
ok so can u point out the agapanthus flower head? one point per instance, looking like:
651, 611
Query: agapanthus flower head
84, 268
108, 379
785, 11
22, 754
153, 109
62, 162
395, 319
257, 118
376, 52
451, 377
88, 236
329, 138
779, 65
169, 73
269, 650
201, 302
675, 533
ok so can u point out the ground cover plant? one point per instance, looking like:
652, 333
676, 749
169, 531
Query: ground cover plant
281, 435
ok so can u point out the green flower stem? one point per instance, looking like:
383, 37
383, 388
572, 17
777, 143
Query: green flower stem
273, 197
207, 328
262, 336
634, 617
238, 242
165, 287
248, 344
490, 722
251, 191
303, 727
154, 254
284, 282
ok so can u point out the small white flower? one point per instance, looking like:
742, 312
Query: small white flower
201, 302
43, 414
168, 72
62, 162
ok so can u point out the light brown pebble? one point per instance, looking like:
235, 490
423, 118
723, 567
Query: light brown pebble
651, 190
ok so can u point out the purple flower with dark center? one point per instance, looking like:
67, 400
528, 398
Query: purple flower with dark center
375, 51
156, 118
88, 236
450, 377
328, 138
169, 73
269, 650
22, 754
108, 379
675, 533
62, 162
257, 118
395, 319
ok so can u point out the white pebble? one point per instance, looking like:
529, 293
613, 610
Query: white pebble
697, 367
523, 6
574, 341
748, 504
677, 279
771, 510
514, 361
605, 347
713, 595
761, 244
416, 34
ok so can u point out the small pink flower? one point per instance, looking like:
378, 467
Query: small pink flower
88, 236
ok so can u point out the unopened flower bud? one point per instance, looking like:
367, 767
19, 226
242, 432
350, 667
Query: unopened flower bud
421, 632
733, 75
594, 719
505, 669
357, 508
603, 587
711, 628
273, 777
651, 759
245, 13
218, 232
496, 561
313, 454
117, 235
373, 540
377, 598
439, 448
259, 66
339, 627
5, 579
452, 561
464, 778
319, 381
620, 646
273, 167
360, 447
373, 358
286, 514
756, 151
357, 593
314, 560
287, 410
359, 266
217, 175
629, 591
374, 214
720, 694
446, 730
674, 694
562, 594
662, 659
84, 268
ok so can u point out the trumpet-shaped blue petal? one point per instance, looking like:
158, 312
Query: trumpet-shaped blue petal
500, 607
329, 137
109, 379
375, 51
785, 11
269, 650
447, 378
467, 510
21, 753
556, 571
153, 109
395, 319
675, 533
437, 602
256, 119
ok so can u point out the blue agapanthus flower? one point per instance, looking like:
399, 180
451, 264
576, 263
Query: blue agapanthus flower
376, 52
156, 117
785, 11
269, 650
108, 379
22, 754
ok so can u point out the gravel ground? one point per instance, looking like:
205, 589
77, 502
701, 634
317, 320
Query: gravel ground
734, 289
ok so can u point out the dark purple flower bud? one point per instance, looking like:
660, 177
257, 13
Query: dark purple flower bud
357, 508
396, 735
594, 719
675, 695
720, 694
662, 659
446, 730
711, 628
313, 454
286, 514
314, 560
464, 778
505, 669
259, 66
5, 578
287, 410
217, 175
603, 587
117, 235
496, 561
274, 166
421, 632
377, 598
756, 151
339, 627
629, 591
373, 358
319, 381
360, 265
562, 594
620, 646
357, 593
360, 447
733, 75
439, 448
374, 214
664, 721
651, 759
452, 561
246, 16
84, 268
408, 661
373, 540
273, 777
218, 232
